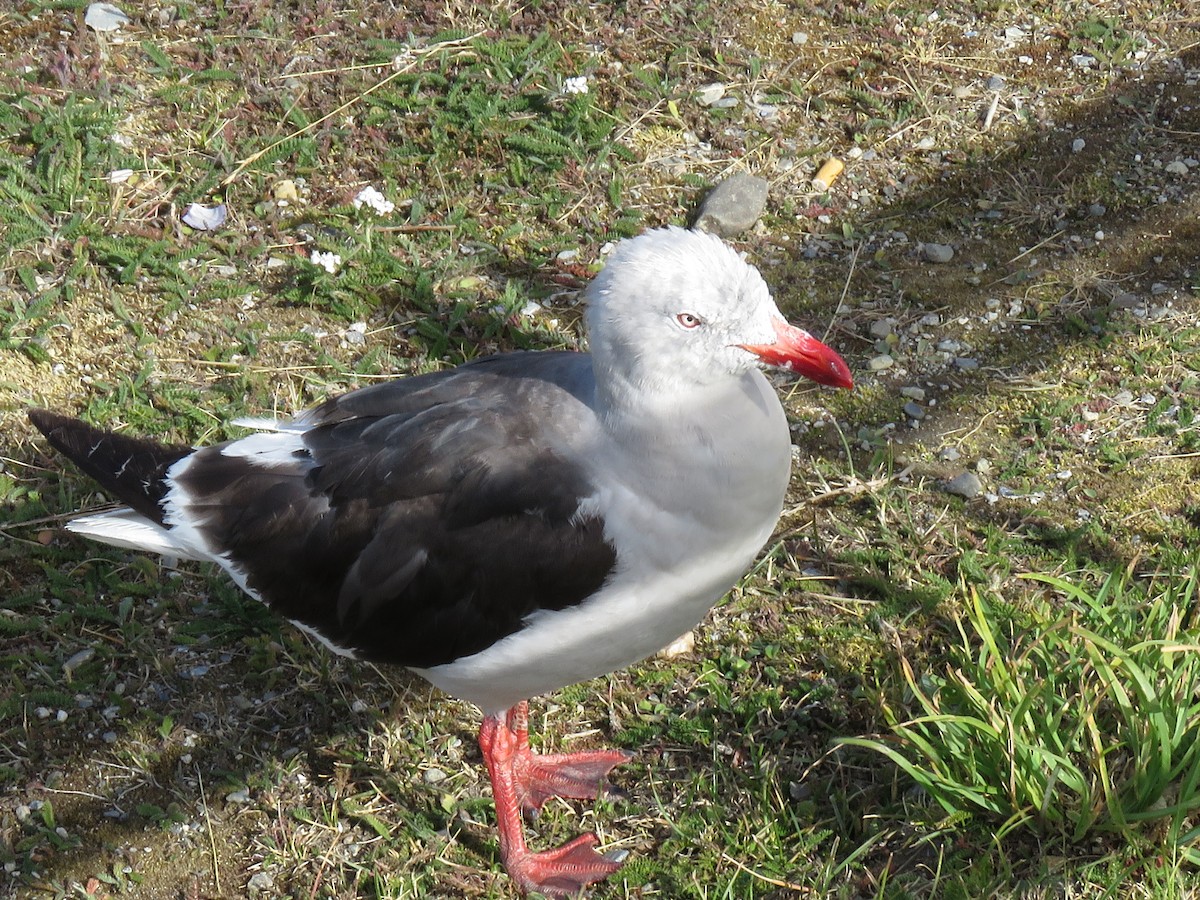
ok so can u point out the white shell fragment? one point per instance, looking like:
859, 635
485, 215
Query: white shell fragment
104, 17
205, 218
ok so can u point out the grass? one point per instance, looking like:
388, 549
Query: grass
1082, 719
1019, 659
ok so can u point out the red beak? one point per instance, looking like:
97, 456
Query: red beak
798, 351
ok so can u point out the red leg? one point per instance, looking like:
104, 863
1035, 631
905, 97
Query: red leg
560, 873
580, 776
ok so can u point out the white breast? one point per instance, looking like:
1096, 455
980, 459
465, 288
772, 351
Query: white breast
686, 521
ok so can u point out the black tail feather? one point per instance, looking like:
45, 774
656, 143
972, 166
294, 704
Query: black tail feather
131, 469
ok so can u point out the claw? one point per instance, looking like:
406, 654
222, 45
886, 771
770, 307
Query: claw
564, 872
521, 782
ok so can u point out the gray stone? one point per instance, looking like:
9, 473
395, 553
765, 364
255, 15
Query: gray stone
912, 392
733, 206
881, 362
881, 328
937, 253
260, 881
964, 484
914, 410
709, 94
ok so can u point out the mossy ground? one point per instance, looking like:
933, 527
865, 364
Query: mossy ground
208, 751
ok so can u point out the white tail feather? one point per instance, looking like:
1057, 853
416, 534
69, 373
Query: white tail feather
263, 424
126, 528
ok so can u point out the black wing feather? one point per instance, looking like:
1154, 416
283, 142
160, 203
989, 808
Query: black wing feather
417, 536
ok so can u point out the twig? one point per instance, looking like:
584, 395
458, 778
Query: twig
414, 229
1036, 246
212, 841
845, 288
853, 488
991, 113
44, 520
775, 882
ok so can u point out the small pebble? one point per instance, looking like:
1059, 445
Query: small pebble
799, 37
995, 83
949, 454
709, 94
938, 253
881, 328
965, 484
881, 362
110, 737
433, 775
78, 660
912, 392
914, 410
1096, 210
681, 646
983, 467
966, 362
260, 881
1077, 145
241, 795
733, 206
285, 190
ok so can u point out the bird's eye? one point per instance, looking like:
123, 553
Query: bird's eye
689, 320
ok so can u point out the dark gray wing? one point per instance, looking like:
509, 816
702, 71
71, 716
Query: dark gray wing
423, 519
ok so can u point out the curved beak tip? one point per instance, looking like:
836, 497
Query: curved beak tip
798, 351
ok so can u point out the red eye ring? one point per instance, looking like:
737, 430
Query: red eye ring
689, 320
